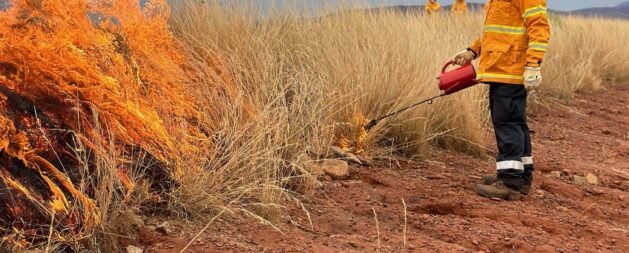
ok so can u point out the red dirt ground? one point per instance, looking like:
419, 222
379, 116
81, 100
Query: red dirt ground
444, 214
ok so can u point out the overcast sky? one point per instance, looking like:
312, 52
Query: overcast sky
564, 5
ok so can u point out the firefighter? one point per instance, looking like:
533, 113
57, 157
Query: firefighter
510, 52
432, 7
459, 7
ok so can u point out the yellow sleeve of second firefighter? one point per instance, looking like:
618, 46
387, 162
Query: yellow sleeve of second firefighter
535, 16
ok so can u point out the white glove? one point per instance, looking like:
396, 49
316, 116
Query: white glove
463, 58
532, 78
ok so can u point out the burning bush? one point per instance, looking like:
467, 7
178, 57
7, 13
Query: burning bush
81, 79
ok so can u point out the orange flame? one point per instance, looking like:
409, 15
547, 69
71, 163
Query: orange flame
353, 137
68, 80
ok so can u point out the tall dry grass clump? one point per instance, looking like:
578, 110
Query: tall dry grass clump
585, 54
313, 82
317, 80
361, 65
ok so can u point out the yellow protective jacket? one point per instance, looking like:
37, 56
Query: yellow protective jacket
516, 35
432, 8
459, 7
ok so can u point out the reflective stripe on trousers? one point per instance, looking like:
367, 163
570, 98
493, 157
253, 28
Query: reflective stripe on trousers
527, 160
510, 165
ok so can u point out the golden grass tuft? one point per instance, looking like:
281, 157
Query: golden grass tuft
585, 54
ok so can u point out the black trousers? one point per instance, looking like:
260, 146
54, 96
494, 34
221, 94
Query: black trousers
514, 163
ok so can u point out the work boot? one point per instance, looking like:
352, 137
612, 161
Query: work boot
498, 190
524, 189
489, 179
528, 181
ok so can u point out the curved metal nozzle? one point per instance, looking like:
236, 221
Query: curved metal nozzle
371, 124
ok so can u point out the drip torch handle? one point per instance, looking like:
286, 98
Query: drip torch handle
450, 62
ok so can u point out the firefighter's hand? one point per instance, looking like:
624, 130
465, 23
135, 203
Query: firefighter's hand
463, 57
532, 78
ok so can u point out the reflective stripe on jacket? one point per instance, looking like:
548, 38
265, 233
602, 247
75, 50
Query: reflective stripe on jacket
432, 7
516, 35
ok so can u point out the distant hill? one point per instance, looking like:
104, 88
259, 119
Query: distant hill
618, 11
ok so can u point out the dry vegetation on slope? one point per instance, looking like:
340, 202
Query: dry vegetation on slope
230, 133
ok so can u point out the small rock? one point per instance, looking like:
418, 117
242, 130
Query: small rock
134, 249
365, 161
591, 179
475, 242
338, 152
607, 132
353, 244
578, 180
353, 158
165, 228
342, 154
595, 191
555, 174
306, 163
336, 169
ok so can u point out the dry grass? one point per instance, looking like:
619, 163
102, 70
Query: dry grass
310, 79
585, 54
